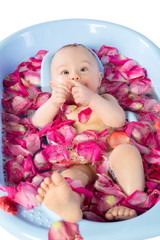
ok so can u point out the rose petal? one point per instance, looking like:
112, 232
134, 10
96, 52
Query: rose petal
63, 230
7, 205
84, 115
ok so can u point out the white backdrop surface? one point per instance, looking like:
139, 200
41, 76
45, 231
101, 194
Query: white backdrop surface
140, 15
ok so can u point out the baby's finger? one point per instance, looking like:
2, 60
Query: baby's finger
61, 89
69, 85
60, 92
63, 86
74, 83
75, 89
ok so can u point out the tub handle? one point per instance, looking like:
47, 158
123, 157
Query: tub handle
131, 116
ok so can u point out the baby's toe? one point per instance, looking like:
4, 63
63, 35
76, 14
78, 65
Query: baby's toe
109, 216
39, 198
122, 211
126, 212
133, 213
58, 179
41, 191
44, 186
47, 181
116, 212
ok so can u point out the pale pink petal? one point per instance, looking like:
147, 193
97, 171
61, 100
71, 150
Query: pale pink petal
63, 230
33, 143
32, 77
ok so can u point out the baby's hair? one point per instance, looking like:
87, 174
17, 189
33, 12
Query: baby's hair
74, 45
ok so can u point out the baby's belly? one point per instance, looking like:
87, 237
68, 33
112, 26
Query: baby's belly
94, 122
80, 127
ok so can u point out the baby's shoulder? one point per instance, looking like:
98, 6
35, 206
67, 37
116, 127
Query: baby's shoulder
109, 97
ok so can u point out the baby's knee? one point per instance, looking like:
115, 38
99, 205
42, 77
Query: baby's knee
124, 153
126, 148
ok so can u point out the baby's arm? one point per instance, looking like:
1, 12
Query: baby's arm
47, 112
108, 109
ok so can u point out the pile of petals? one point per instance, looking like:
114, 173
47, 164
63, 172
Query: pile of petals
31, 154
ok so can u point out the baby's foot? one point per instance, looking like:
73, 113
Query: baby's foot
120, 213
57, 195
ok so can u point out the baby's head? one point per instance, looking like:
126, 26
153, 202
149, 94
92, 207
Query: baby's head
76, 62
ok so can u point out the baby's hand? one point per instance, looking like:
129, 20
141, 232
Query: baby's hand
59, 94
81, 94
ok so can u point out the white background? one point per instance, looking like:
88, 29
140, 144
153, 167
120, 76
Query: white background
140, 15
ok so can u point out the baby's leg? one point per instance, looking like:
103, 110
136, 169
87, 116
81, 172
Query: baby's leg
126, 163
57, 195
85, 173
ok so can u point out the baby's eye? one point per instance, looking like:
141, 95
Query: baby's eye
83, 69
65, 72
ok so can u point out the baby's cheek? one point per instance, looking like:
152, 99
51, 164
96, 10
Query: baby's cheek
60, 80
93, 86
56, 83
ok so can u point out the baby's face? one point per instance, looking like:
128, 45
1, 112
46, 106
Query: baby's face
75, 63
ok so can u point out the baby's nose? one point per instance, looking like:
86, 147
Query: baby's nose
75, 77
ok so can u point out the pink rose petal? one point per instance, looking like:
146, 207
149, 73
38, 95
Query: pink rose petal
84, 115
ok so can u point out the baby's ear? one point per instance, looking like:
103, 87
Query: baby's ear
51, 84
100, 78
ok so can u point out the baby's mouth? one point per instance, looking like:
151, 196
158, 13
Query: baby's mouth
70, 89
70, 97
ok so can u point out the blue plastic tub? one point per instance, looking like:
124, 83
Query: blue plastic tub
34, 224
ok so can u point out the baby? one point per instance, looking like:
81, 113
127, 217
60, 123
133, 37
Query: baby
76, 77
